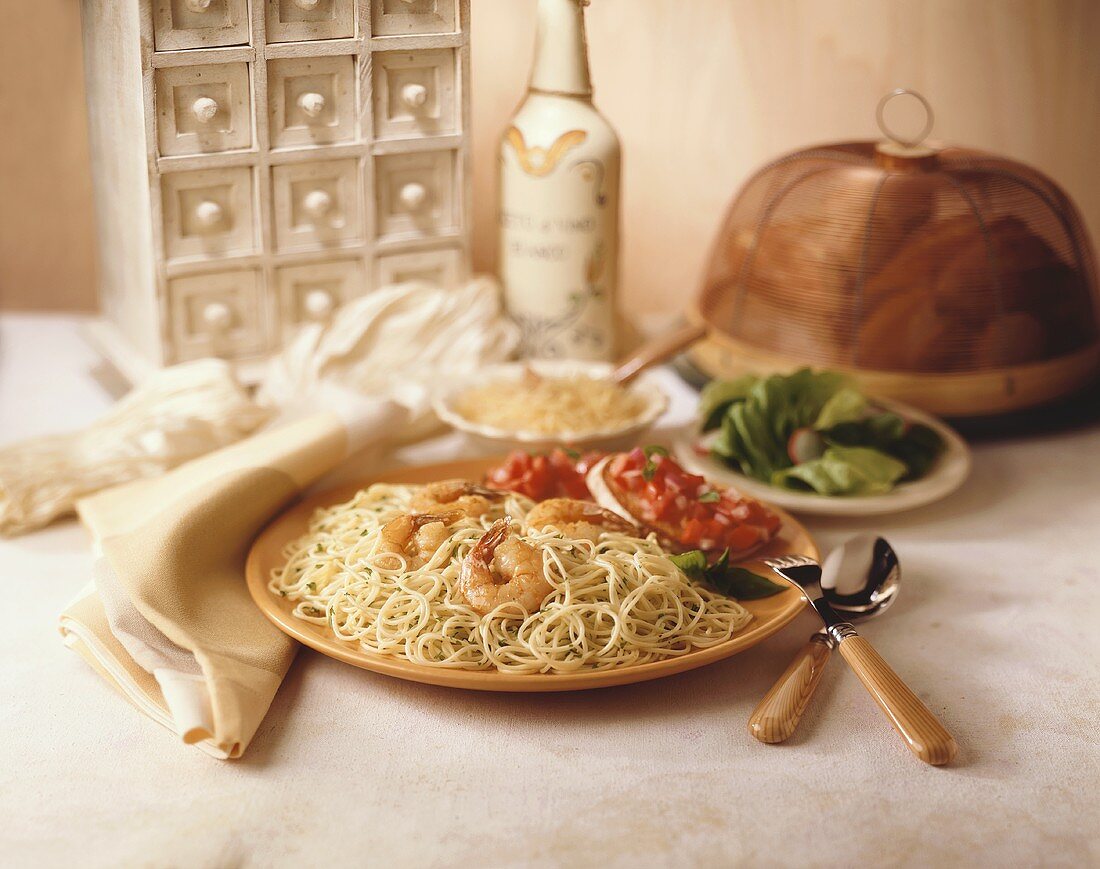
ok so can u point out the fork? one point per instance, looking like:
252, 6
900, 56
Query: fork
922, 732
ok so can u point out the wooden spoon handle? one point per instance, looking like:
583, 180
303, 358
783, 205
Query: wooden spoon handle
778, 714
926, 737
658, 350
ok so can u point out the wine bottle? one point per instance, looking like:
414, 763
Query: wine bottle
559, 200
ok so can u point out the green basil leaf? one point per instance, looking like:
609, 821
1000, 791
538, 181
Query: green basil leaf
711, 497
742, 584
649, 470
692, 564
736, 582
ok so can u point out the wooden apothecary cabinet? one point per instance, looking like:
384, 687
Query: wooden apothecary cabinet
258, 162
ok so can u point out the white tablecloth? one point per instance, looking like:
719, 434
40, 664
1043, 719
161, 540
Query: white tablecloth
996, 629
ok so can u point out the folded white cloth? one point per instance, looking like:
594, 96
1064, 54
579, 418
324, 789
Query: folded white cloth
177, 414
405, 342
169, 620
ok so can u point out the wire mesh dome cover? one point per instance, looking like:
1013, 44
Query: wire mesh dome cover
890, 258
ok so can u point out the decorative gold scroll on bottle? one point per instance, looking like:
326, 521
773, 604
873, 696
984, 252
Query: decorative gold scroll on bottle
559, 218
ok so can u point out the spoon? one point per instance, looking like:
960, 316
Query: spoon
860, 579
922, 732
658, 350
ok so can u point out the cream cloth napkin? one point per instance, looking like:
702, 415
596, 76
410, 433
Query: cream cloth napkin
168, 620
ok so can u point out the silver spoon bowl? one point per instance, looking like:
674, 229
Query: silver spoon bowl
875, 567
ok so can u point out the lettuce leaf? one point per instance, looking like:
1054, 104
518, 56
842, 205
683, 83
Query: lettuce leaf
718, 395
915, 444
844, 471
756, 417
918, 448
760, 416
845, 406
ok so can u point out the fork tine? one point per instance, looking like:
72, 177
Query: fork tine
787, 561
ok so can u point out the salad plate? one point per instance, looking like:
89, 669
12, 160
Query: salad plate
947, 474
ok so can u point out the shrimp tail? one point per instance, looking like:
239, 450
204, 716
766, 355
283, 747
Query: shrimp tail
491, 539
422, 519
606, 517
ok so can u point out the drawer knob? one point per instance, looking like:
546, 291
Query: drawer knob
312, 104
208, 214
307, 5
198, 5
317, 203
204, 108
413, 196
319, 303
414, 95
217, 316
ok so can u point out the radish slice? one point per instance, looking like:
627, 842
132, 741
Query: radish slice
805, 445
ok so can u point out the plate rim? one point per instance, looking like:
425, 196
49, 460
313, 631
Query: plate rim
951, 472
277, 532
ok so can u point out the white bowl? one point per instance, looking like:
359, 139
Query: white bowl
609, 438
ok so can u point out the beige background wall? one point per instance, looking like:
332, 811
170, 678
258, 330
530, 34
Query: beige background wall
701, 91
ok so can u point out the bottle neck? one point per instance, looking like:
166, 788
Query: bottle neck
561, 50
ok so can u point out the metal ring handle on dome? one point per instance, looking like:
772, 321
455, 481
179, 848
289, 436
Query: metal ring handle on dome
880, 117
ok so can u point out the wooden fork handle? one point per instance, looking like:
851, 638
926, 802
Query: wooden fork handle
658, 350
778, 714
926, 737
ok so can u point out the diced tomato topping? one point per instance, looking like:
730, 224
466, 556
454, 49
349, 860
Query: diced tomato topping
693, 513
553, 475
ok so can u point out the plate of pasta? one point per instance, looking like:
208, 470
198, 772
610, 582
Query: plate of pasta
485, 575
540, 403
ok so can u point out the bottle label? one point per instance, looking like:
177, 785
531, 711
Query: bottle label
558, 237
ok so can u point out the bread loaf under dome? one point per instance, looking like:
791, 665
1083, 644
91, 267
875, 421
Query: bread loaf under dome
952, 278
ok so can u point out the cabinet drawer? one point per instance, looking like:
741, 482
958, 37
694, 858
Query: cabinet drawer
316, 204
296, 20
415, 194
203, 108
414, 93
209, 212
199, 23
310, 293
219, 314
401, 17
442, 267
311, 100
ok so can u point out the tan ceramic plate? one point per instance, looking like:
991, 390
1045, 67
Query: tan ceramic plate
769, 614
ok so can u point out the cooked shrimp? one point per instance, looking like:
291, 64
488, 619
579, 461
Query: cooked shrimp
500, 569
470, 498
415, 536
577, 519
